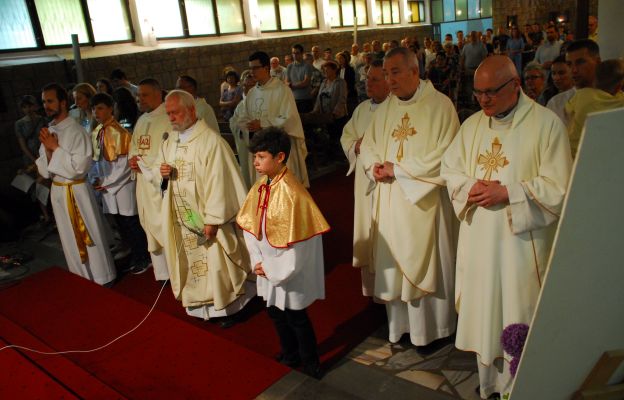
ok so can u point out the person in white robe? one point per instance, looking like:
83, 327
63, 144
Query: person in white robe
152, 126
412, 231
271, 103
202, 108
65, 156
207, 259
507, 172
111, 144
377, 90
283, 228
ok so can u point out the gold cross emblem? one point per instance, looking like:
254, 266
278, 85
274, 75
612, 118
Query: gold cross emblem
491, 161
401, 133
190, 241
199, 268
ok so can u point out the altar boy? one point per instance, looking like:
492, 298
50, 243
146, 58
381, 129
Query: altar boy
283, 228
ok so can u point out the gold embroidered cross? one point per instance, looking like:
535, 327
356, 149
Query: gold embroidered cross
401, 133
199, 268
190, 241
492, 160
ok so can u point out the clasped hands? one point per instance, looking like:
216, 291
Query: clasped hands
488, 193
383, 172
49, 141
258, 270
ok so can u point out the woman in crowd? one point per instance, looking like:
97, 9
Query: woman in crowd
82, 94
126, 109
230, 96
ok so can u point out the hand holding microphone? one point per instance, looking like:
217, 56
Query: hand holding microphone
165, 169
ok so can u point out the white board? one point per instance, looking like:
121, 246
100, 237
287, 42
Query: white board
580, 313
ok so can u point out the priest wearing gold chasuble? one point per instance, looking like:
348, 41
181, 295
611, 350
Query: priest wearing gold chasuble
412, 249
507, 172
202, 192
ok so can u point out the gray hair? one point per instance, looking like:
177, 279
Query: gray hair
408, 56
186, 99
534, 66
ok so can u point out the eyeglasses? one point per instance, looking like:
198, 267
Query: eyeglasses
490, 92
532, 77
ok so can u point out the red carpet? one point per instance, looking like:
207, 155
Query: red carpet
165, 358
341, 321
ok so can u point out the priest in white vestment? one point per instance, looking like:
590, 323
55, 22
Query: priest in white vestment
271, 103
411, 234
507, 172
65, 156
377, 90
144, 151
202, 108
207, 259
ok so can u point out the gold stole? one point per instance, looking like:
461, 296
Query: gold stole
83, 239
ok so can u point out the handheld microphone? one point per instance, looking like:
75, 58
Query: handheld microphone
165, 181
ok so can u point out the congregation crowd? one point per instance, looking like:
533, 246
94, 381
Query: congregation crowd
455, 207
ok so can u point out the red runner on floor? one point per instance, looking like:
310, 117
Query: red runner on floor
342, 320
164, 358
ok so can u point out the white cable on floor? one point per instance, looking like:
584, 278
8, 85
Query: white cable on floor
97, 348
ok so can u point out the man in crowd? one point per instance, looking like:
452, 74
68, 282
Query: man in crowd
411, 234
203, 109
277, 71
561, 75
507, 172
151, 129
583, 56
318, 59
534, 81
298, 76
377, 90
119, 79
271, 103
549, 50
207, 258
592, 28
65, 157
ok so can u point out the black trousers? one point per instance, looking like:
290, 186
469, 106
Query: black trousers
133, 235
296, 335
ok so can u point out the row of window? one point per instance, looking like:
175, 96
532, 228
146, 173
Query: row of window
459, 10
32, 24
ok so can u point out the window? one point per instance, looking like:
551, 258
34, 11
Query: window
60, 19
283, 15
109, 20
16, 31
387, 12
344, 12
184, 18
459, 10
416, 11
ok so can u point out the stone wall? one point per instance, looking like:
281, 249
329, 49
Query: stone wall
204, 63
530, 11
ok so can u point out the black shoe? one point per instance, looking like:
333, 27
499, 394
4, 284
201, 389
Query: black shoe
291, 362
227, 321
313, 370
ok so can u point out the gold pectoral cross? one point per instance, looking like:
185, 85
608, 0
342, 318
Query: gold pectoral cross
491, 161
401, 133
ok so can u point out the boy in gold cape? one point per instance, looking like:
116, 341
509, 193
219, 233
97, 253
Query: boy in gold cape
282, 227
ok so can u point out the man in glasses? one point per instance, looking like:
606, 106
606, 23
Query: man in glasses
506, 171
271, 103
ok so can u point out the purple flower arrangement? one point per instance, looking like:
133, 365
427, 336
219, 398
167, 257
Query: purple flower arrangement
512, 339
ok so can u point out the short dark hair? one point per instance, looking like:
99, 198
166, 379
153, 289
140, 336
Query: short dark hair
151, 82
328, 49
590, 45
559, 60
27, 100
107, 83
298, 47
118, 73
61, 93
273, 140
376, 63
232, 73
101, 98
189, 79
261, 56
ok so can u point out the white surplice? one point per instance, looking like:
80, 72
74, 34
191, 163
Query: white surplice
146, 140
503, 249
295, 276
209, 278
274, 105
411, 232
70, 162
352, 132
557, 104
